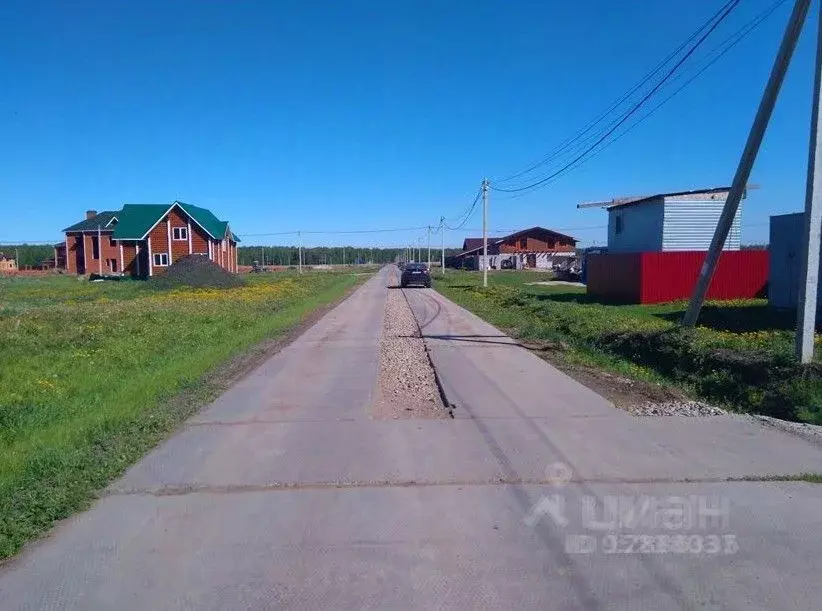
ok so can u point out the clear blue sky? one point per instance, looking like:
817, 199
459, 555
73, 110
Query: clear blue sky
365, 114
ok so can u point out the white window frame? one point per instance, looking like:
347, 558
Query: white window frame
179, 234
163, 257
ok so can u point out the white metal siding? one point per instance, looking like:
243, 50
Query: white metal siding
690, 225
641, 228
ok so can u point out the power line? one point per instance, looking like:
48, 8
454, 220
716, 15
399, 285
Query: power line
467, 216
730, 6
734, 40
641, 83
331, 231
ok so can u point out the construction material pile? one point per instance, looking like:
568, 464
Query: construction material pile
198, 272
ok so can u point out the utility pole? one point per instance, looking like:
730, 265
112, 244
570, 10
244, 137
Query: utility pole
442, 233
17, 258
429, 248
809, 276
484, 232
300, 251
262, 256
743, 170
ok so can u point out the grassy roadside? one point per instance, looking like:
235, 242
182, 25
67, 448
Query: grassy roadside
91, 375
741, 355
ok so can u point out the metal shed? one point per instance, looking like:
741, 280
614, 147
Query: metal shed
679, 221
785, 250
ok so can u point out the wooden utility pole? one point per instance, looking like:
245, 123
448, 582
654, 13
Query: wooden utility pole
743, 171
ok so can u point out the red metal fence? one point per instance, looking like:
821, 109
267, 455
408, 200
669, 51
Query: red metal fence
656, 277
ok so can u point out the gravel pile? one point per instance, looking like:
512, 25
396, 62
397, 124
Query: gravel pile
408, 388
676, 408
196, 271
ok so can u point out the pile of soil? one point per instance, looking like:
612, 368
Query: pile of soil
198, 272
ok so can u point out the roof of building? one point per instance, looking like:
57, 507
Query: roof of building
707, 195
538, 228
134, 221
473, 244
101, 220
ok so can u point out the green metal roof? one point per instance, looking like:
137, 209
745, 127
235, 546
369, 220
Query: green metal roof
135, 220
101, 220
206, 219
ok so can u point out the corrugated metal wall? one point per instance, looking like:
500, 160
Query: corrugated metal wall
690, 225
641, 227
786, 250
657, 277
614, 277
671, 276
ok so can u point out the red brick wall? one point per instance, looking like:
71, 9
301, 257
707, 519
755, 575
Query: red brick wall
109, 249
179, 248
75, 248
129, 258
159, 244
199, 240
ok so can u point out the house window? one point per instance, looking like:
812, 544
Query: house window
112, 264
160, 259
618, 224
523, 242
179, 233
111, 241
95, 247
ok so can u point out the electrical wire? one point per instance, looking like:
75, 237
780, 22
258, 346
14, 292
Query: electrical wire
636, 87
467, 216
636, 107
734, 40
332, 231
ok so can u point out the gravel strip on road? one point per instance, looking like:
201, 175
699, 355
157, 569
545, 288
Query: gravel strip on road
407, 385
676, 408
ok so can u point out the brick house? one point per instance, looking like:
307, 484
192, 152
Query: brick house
535, 248
143, 240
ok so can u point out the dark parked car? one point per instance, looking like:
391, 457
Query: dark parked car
415, 274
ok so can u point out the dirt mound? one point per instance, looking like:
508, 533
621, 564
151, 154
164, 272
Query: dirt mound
196, 271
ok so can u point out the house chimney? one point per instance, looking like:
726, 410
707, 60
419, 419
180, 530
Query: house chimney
90, 214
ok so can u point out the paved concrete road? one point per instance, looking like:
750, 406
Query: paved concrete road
284, 493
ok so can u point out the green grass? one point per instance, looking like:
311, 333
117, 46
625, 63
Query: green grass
740, 355
91, 376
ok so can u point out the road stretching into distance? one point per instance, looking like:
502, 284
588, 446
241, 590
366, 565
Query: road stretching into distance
285, 492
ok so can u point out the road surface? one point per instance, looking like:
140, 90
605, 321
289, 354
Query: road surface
286, 493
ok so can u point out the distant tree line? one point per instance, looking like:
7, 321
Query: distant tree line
31, 255
328, 255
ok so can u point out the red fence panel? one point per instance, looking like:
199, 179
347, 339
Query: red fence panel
614, 277
657, 277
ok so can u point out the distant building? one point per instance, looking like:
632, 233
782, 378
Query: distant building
532, 248
7, 264
143, 240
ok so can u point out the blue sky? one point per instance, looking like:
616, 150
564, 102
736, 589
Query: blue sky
363, 114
